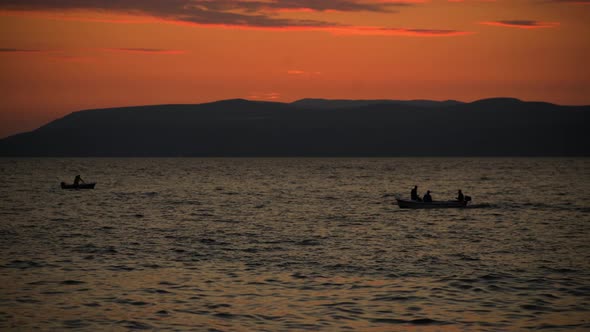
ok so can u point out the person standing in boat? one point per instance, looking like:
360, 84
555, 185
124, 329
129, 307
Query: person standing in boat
460, 196
414, 194
427, 198
77, 180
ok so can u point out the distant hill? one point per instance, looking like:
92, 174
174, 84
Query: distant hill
344, 103
314, 127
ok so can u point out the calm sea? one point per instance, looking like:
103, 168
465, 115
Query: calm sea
294, 244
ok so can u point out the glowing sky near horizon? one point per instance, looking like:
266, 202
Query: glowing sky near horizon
64, 55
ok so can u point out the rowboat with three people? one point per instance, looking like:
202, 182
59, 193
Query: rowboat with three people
426, 202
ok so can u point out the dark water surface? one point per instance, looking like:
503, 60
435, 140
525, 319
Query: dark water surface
294, 244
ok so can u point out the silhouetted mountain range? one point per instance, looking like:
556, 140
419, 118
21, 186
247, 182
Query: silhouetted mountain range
314, 127
343, 103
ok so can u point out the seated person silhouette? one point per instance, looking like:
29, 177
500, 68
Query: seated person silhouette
414, 194
427, 198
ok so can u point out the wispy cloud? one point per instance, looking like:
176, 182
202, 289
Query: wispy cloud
303, 73
295, 72
471, 0
379, 31
303, 5
145, 50
18, 50
194, 7
573, 2
247, 14
51, 55
264, 96
522, 24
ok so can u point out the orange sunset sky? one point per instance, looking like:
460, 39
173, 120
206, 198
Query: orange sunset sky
61, 56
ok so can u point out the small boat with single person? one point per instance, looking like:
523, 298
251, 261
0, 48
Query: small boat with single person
78, 186
413, 204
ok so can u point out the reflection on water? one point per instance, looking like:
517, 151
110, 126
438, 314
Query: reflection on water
276, 244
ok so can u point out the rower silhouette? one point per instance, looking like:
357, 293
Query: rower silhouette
77, 180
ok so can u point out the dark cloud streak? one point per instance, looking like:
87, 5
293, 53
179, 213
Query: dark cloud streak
198, 12
228, 12
314, 5
187, 6
18, 50
236, 13
571, 2
522, 24
145, 50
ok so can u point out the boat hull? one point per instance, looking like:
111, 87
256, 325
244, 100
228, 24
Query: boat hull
78, 186
410, 204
